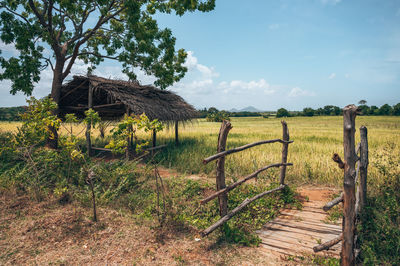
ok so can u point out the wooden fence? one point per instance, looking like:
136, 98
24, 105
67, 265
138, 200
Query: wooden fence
222, 189
352, 202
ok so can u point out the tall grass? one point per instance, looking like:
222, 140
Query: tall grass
315, 140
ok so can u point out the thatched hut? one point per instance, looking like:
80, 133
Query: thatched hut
114, 98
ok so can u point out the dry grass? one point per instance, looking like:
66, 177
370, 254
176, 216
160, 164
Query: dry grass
48, 233
315, 140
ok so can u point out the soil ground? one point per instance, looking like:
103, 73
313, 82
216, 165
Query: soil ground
49, 233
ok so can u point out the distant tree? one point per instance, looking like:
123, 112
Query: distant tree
282, 112
319, 111
212, 110
385, 109
374, 110
396, 109
308, 111
365, 110
362, 102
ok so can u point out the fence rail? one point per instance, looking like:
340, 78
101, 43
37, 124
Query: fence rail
222, 189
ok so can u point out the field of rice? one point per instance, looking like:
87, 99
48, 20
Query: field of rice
315, 140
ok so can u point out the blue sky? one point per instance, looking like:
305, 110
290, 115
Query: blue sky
272, 54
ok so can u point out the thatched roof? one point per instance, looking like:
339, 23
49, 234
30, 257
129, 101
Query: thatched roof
111, 99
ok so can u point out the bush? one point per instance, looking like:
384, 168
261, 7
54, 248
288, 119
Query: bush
218, 116
379, 231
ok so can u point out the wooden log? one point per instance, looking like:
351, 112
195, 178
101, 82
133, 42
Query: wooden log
71, 91
156, 148
176, 134
285, 148
220, 178
154, 138
101, 149
362, 189
107, 105
89, 125
241, 148
336, 158
328, 244
333, 203
350, 158
232, 186
238, 209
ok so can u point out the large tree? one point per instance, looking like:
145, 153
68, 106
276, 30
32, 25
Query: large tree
123, 30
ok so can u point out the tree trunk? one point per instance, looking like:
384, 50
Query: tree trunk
55, 95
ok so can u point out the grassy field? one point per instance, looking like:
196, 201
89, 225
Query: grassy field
315, 140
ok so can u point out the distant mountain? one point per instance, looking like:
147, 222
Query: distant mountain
250, 109
246, 109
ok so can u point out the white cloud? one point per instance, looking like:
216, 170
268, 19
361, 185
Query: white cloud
192, 64
273, 26
298, 92
10, 48
332, 76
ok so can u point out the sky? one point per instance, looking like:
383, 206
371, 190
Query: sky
272, 54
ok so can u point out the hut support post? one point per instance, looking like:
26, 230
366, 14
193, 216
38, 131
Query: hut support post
223, 198
285, 148
176, 134
129, 139
154, 138
362, 188
89, 125
349, 212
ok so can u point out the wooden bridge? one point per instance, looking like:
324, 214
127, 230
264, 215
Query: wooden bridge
296, 232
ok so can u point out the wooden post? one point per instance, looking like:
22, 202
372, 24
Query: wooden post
176, 134
285, 148
154, 138
362, 188
350, 158
223, 198
89, 125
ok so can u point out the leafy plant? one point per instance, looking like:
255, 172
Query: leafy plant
127, 128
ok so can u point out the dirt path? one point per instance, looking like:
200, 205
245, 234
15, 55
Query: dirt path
296, 232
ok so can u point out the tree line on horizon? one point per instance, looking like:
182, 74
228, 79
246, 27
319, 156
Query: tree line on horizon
332, 110
213, 114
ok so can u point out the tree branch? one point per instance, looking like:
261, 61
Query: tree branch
89, 33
